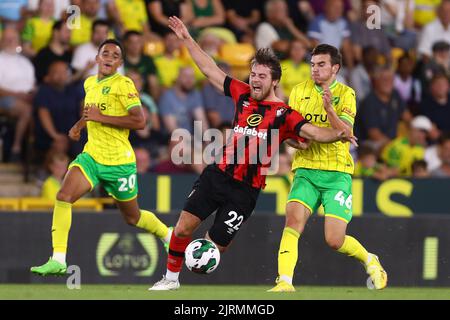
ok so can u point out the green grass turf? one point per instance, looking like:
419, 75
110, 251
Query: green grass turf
213, 292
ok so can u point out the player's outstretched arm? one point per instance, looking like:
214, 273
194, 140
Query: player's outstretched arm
205, 63
135, 119
326, 135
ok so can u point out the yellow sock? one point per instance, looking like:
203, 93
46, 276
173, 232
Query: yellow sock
288, 254
148, 221
352, 248
62, 219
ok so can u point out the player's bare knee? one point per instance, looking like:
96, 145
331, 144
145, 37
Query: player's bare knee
64, 196
295, 222
335, 242
182, 230
131, 220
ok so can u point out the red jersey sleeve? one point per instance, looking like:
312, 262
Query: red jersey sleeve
293, 124
235, 88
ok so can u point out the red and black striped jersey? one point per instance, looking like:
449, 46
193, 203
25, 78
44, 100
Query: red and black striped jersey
258, 129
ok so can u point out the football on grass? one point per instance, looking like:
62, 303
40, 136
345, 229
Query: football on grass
202, 256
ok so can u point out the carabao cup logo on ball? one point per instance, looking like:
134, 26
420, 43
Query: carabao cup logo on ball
202, 256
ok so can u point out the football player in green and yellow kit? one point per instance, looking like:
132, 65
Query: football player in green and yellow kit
111, 108
323, 171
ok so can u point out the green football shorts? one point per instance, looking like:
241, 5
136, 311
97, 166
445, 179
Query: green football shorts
119, 181
332, 189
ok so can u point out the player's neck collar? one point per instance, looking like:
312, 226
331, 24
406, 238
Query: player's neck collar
332, 86
106, 78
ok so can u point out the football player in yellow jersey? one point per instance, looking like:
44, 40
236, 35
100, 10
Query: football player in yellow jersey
323, 171
112, 108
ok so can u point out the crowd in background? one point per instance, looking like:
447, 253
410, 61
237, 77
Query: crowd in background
399, 69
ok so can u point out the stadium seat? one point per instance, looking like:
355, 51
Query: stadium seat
154, 48
9, 204
238, 54
40, 204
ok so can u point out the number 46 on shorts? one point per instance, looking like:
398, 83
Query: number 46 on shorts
340, 197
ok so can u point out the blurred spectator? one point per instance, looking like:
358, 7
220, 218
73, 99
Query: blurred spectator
38, 29
425, 12
181, 150
436, 104
56, 164
169, 63
295, 68
16, 86
439, 63
380, 112
363, 37
368, 166
84, 55
219, 108
279, 29
135, 59
89, 14
397, 21
301, 12
420, 169
145, 138
181, 105
159, 12
242, 18
408, 87
12, 11
206, 13
432, 157
58, 49
57, 107
319, 6
360, 75
438, 30
130, 16
60, 7
332, 28
400, 153
444, 154
143, 160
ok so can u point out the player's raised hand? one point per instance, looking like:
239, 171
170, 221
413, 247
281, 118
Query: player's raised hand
92, 114
179, 28
327, 98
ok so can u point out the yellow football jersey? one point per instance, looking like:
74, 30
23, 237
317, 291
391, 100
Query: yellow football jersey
114, 96
306, 98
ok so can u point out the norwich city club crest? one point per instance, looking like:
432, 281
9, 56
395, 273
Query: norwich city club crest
106, 90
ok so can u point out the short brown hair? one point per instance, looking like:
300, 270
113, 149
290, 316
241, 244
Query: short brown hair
266, 57
335, 55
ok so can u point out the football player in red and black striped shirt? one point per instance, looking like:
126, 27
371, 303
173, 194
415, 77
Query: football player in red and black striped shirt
231, 185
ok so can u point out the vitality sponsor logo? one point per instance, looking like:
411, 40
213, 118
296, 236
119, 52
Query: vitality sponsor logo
254, 120
101, 106
135, 254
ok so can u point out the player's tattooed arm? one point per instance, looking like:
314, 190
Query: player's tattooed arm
135, 119
326, 135
205, 63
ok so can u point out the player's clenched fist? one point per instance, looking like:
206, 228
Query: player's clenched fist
92, 114
75, 133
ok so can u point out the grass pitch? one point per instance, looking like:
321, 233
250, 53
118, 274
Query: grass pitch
214, 292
